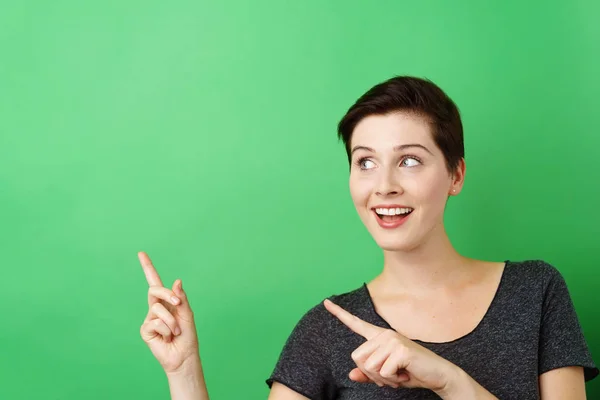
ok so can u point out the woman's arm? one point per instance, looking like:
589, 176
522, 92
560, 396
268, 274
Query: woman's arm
462, 386
563, 383
390, 359
169, 331
188, 382
281, 392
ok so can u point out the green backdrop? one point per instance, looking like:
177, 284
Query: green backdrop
205, 134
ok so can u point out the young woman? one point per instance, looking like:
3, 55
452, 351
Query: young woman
434, 324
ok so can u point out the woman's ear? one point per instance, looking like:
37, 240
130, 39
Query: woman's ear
458, 177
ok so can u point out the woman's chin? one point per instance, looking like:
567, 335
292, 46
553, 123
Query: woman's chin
395, 245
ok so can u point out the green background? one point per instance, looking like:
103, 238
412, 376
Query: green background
204, 133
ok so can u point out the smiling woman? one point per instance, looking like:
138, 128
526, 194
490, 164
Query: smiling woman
433, 323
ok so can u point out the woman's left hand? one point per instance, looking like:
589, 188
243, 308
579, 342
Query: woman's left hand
388, 358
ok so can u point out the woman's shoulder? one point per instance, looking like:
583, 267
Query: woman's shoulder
535, 271
533, 275
532, 263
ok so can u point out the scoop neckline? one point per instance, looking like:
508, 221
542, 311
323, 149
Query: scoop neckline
461, 338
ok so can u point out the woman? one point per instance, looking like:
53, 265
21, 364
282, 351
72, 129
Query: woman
434, 323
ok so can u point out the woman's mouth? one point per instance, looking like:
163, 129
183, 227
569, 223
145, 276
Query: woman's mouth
391, 217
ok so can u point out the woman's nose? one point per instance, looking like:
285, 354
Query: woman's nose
388, 185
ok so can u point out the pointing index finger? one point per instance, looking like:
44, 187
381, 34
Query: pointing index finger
357, 325
149, 270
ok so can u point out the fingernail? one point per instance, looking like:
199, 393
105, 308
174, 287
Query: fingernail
177, 331
174, 300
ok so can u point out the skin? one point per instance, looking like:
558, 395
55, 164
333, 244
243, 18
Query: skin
413, 176
419, 261
169, 330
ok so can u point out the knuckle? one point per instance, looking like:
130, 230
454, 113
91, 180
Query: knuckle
156, 308
370, 366
386, 374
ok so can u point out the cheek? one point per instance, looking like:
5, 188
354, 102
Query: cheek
431, 191
359, 191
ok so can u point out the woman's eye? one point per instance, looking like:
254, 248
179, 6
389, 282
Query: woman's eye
366, 164
410, 162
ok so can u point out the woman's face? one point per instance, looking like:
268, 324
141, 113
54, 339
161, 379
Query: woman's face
399, 182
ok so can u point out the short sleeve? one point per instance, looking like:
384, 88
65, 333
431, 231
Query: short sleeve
303, 364
562, 342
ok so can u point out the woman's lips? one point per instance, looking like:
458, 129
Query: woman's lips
392, 224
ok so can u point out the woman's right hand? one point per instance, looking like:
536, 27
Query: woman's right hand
168, 329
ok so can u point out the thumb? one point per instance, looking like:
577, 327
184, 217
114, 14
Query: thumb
184, 309
358, 376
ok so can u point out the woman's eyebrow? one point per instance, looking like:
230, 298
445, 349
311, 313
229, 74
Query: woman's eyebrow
396, 148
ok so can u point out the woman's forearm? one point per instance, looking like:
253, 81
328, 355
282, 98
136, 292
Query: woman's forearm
463, 387
188, 382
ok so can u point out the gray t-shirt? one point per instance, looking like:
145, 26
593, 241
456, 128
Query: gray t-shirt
530, 327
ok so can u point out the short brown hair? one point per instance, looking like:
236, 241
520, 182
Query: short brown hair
413, 95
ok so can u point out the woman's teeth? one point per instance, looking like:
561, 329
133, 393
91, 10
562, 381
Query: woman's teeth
392, 211
392, 214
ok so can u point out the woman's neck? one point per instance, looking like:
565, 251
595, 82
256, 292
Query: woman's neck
432, 266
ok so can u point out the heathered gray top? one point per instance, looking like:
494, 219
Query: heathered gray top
530, 327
